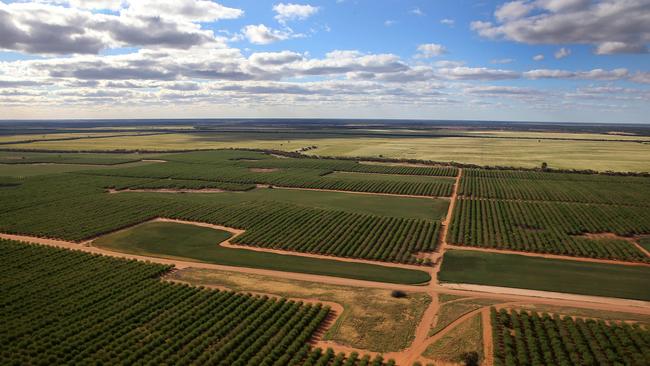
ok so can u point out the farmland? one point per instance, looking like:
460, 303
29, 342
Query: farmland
295, 257
573, 153
189, 242
508, 270
62, 314
522, 338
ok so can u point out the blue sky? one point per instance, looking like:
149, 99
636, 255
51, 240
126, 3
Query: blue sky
535, 60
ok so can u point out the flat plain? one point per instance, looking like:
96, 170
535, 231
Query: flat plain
323, 246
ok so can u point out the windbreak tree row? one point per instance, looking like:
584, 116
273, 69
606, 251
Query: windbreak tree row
547, 227
122, 314
531, 339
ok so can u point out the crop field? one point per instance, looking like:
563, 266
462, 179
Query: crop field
549, 227
356, 326
298, 232
29, 170
523, 338
195, 243
23, 157
509, 270
50, 317
572, 153
537, 186
245, 168
80, 200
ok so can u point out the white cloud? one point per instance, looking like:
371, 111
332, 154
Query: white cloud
97, 4
189, 10
538, 57
492, 90
449, 22
53, 29
562, 53
595, 74
513, 10
274, 58
641, 77
417, 11
608, 48
613, 26
429, 50
476, 73
389, 22
261, 34
289, 12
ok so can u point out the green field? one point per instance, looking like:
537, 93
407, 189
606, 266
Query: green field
65, 307
507, 270
559, 154
174, 240
29, 170
408, 207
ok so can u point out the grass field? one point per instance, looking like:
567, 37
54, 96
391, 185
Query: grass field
571, 154
466, 337
180, 241
357, 327
516, 271
452, 311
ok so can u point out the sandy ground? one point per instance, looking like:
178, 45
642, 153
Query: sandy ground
549, 256
488, 343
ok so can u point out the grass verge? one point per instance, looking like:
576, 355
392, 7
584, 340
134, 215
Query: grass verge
509, 270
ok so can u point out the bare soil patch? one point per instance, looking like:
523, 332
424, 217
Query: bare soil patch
263, 170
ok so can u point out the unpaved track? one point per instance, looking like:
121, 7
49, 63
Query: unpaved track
547, 256
488, 342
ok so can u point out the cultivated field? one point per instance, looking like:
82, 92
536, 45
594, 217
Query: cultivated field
288, 257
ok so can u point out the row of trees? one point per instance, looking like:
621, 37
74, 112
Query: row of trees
531, 339
586, 191
345, 235
120, 313
546, 227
